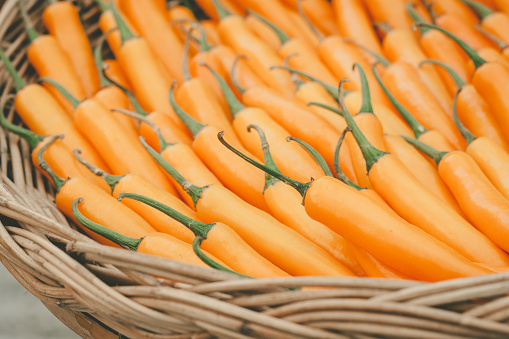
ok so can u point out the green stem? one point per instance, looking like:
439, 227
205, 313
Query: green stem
296, 80
500, 43
267, 157
426, 149
221, 11
59, 182
110, 179
472, 54
30, 137
457, 79
67, 95
415, 17
119, 239
98, 58
469, 136
130, 95
330, 108
415, 125
299, 186
185, 63
232, 73
370, 153
19, 82
191, 189
235, 105
480, 9
337, 167
29, 25
202, 42
331, 89
280, 34
383, 26
314, 153
193, 125
308, 22
366, 106
163, 144
380, 58
102, 5
125, 32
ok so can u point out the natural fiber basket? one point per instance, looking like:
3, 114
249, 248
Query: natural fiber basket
101, 292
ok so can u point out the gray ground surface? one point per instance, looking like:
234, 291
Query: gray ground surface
23, 316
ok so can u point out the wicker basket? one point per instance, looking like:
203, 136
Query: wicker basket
101, 292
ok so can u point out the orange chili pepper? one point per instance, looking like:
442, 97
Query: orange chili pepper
374, 268
319, 13
393, 13
263, 32
210, 9
463, 30
456, 8
210, 28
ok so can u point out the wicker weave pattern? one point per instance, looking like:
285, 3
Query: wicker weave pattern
146, 297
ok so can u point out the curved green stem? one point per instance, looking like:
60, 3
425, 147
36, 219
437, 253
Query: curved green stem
331, 89
29, 25
125, 32
308, 22
130, 95
500, 43
280, 34
119, 239
221, 11
366, 106
191, 189
30, 137
193, 125
480, 9
472, 54
232, 73
426, 149
59, 182
110, 179
337, 167
415, 17
330, 108
98, 58
314, 153
267, 157
457, 79
415, 125
299, 186
235, 105
469, 136
370, 153
19, 82
67, 95
202, 42
380, 58
296, 80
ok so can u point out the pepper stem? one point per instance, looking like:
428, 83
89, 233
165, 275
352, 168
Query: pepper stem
221, 11
330, 108
119, 239
202, 42
472, 54
235, 105
130, 95
500, 43
57, 181
314, 153
98, 58
426, 149
370, 153
308, 22
125, 32
415, 125
280, 34
191, 189
366, 106
299, 186
29, 136
469, 136
103, 6
337, 167
295, 78
331, 89
457, 79
380, 58
67, 95
232, 73
415, 17
480, 9
110, 179
29, 25
19, 82
185, 63
192, 124
267, 157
